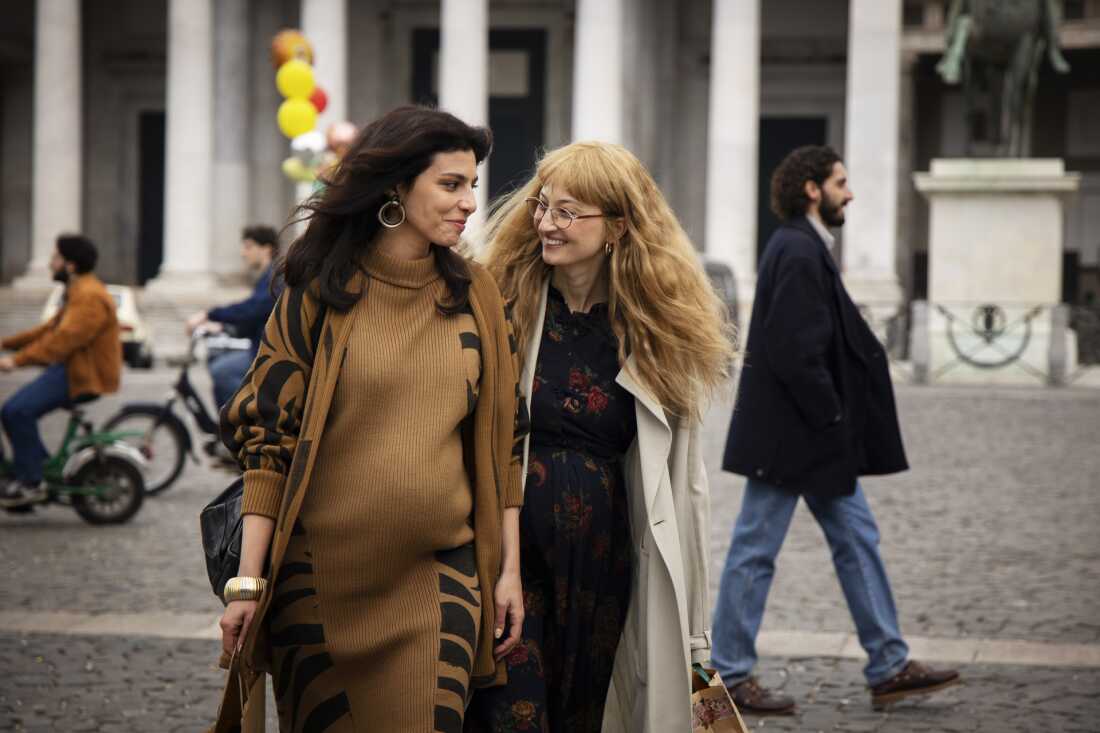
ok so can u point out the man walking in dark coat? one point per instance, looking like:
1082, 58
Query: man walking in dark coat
815, 410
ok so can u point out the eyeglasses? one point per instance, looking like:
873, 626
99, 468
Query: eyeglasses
561, 218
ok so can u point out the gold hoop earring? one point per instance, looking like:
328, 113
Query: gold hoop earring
607, 248
390, 223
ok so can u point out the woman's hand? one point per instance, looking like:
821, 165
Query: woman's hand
235, 622
509, 602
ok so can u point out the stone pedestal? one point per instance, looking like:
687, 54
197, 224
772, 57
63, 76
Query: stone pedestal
995, 272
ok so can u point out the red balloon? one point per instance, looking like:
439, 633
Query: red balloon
319, 99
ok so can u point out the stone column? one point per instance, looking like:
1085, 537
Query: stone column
231, 134
325, 24
464, 75
189, 189
871, 156
16, 170
598, 71
56, 179
270, 193
733, 132
907, 192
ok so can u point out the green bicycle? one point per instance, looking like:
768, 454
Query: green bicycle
96, 473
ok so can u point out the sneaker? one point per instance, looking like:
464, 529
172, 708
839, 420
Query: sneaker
914, 679
19, 493
750, 697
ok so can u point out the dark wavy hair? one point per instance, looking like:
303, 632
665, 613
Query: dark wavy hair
808, 163
264, 236
343, 217
79, 250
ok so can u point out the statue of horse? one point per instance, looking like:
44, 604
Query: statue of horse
995, 47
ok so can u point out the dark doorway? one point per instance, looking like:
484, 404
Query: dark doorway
779, 136
516, 108
150, 194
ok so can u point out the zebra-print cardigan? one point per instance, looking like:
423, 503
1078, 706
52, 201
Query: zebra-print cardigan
278, 415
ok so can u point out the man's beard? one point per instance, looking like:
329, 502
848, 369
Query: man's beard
61, 276
833, 216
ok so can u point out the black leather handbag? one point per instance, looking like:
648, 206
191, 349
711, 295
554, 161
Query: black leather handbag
221, 522
222, 526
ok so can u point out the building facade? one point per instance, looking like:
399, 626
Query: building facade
150, 124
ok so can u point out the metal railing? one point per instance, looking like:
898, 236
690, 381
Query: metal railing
993, 336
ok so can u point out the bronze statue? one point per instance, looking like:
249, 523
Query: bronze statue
995, 47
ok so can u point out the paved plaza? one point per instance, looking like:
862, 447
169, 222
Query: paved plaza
991, 542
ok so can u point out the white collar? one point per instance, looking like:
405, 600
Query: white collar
825, 234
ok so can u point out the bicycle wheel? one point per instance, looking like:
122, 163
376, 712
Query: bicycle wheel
119, 492
163, 443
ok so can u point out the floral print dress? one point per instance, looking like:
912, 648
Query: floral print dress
575, 545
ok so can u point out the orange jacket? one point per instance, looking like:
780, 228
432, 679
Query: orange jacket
84, 335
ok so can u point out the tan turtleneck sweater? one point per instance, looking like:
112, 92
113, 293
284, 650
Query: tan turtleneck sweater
389, 485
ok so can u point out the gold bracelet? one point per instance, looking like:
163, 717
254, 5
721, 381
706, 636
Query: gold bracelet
243, 588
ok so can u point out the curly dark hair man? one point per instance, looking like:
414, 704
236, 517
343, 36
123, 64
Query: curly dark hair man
263, 235
815, 413
788, 190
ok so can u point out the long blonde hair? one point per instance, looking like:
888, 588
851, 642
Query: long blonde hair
662, 307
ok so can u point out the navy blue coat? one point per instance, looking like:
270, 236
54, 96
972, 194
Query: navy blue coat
249, 316
815, 406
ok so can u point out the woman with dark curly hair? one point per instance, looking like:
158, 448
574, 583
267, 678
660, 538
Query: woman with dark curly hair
375, 430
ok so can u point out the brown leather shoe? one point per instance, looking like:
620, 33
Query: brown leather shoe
914, 679
750, 697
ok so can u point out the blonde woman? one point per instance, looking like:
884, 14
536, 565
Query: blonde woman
622, 340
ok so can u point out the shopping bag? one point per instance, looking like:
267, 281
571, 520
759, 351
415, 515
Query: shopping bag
712, 709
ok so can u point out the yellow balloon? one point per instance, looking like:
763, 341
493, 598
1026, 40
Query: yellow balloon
295, 79
296, 116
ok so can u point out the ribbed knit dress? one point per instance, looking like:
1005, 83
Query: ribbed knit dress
376, 611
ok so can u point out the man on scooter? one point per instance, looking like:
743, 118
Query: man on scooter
259, 248
82, 352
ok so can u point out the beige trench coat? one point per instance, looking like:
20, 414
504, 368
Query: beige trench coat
668, 623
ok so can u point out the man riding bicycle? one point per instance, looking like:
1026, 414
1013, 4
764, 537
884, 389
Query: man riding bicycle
82, 352
259, 248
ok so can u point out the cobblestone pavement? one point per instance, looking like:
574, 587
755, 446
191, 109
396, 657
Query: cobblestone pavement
992, 534
111, 684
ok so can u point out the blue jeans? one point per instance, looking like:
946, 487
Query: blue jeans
853, 537
46, 393
227, 371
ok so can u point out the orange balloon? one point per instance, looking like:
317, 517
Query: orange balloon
288, 44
